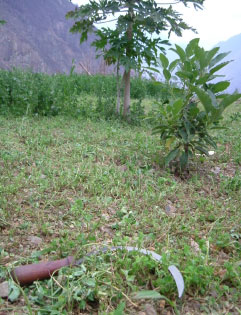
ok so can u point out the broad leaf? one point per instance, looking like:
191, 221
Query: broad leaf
147, 294
177, 106
210, 141
202, 150
184, 135
171, 156
204, 99
210, 54
14, 291
218, 58
173, 65
213, 98
120, 309
167, 74
184, 75
180, 52
218, 67
184, 160
228, 100
191, 45
164, 61
219, 87
201, 57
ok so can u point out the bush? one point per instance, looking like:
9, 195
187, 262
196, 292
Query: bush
184, 124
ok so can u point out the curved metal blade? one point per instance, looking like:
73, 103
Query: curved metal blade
173, 270
178, 279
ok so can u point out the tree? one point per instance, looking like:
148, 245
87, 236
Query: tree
135, 40
2, 22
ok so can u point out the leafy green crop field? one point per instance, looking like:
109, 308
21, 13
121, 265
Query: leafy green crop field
80, 184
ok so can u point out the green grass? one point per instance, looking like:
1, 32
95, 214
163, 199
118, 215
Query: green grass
81, 184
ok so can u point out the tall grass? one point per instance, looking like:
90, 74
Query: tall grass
28, 93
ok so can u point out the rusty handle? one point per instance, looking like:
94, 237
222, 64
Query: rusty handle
27, 274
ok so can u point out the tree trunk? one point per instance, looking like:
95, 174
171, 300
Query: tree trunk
127, 98
127, 73
118, 89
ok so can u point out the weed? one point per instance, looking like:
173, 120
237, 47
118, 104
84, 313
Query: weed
80, 184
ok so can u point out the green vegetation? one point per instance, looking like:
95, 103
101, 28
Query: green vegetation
136, 38
81, 183
27, 93
184, 126
78, 179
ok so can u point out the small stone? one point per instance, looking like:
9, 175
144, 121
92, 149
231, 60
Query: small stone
195, 247
170, 209
216, 170
35, 240
123, 168
4, 289
149, 309
162, 304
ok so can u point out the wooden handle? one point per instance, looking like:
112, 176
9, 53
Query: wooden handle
27, 274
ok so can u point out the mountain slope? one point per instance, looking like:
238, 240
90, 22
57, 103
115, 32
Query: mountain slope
233, 70
37, 36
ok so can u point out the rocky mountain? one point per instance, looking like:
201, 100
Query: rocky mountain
37, 36
233, 70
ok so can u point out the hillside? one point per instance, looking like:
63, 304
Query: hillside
233, 70
37, 36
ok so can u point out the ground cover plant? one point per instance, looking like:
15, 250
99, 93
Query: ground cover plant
77, 184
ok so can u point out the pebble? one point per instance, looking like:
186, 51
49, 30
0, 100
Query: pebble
4, 289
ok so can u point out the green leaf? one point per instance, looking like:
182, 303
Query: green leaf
210, 54
173, 65
191, 45
167, 74
203, 79
184, 75
180, 52
177, 106
218, 67
151, 69
171, 156
204, 99
193, 112
219, 87
164, 61
183, 134
214, 100
147, 294
14, 291
184, 160
228, 100
202, 150
120, 309
218, 58
200, 55
210, 141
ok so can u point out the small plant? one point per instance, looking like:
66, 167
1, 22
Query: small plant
230, 184
183, 123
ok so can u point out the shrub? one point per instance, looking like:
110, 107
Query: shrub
183, 124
